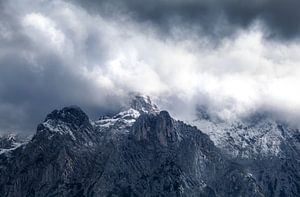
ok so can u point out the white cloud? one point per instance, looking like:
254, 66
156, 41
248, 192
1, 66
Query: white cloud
118, 55
44, 30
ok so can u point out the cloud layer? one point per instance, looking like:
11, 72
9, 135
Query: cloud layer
57, 53
213, 18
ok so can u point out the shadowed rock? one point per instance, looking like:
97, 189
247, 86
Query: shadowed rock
134, 153
155, 128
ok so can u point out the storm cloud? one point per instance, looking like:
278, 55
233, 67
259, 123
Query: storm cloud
94, 54
213, 18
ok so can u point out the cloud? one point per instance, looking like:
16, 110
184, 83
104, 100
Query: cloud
57, 53
212, 18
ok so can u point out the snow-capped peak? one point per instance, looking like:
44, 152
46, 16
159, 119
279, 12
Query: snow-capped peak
139, 104
143, 104
72, 114
121, 120
10, 142
255, 135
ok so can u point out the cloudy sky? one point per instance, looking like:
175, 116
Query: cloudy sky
232, 57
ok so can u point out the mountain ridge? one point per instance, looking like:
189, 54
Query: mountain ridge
143, 151
134, 153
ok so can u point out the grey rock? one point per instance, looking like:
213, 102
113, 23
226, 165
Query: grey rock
143, 104
139, 152
266, 147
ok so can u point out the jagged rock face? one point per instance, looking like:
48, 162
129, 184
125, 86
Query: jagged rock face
135, 153
156, 128
7, 141
269, 149
72, 125
143, 104
189, 167
10, 142
70, 115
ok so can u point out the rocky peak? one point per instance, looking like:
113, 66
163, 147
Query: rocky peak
155, 127
8, 141
69, 122
71, 115
143, 104
139, 104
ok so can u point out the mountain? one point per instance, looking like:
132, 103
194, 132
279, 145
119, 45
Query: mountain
10, 142
141, 151
267, 147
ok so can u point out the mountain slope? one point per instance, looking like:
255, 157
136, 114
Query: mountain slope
139, 152
10, 142
268, 148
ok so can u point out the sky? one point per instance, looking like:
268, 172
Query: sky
229, 57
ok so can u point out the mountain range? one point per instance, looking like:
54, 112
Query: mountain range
143, 151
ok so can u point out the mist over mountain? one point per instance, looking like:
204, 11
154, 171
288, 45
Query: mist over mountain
234, 57
223, 118
143, 151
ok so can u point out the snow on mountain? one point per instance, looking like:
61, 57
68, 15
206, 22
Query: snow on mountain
143, 104
139, 104
268, 148
9, 142
142, 151
258, 135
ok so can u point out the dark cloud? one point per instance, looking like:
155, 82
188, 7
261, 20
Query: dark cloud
28, 95
213, 18
55, 54
35, 79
